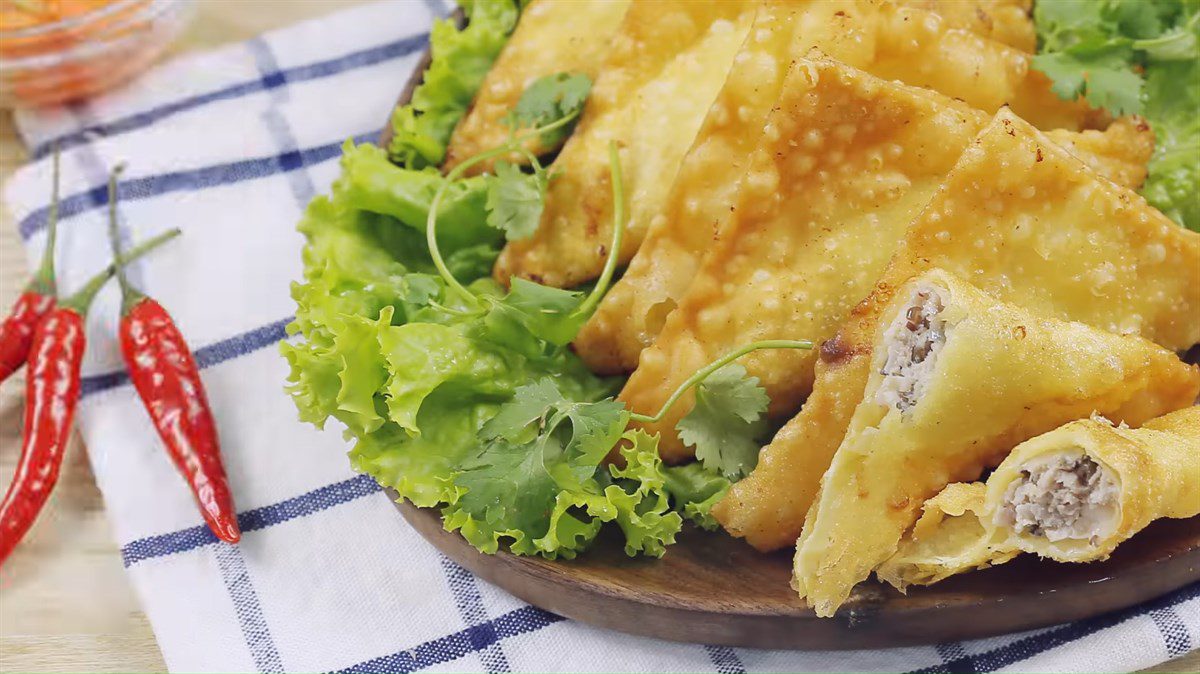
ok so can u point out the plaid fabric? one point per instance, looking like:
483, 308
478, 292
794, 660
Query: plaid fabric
230, 146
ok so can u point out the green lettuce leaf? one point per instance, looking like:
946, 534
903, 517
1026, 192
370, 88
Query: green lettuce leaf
467, 397
461, 59
695, 490
1173, 109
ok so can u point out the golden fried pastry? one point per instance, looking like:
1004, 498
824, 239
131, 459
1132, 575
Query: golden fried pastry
1027, 222
663, 70
895, 41
667, 63
846, 162
956, 379
950, 537
1076, 493
553, 36
1071, 495
1006, 21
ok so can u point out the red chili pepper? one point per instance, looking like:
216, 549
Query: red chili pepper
164, 372
51, 392
16, 332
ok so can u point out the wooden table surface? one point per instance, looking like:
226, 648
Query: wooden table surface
65, 602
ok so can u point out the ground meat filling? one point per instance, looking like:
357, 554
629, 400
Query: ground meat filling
913, 342
1062, 496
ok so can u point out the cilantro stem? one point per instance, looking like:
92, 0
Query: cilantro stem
514, 144
618, 227
717, 364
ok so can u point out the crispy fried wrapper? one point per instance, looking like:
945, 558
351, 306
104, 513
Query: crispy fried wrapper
1006, 21
950, 538
914, 42
553, 36
1076, 493
663, 70
1071, 495
1027, 222
956, 379
844, 165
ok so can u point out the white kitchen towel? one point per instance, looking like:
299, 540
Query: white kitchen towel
230, 145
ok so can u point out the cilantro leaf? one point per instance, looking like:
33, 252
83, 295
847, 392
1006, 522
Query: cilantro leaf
547, 313
595, 429
1118, 90
1134, 56
725, 421
530, 403
508, 487
524, 486
550, 99
515, 200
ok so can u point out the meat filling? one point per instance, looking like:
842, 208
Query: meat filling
1062, 496
913, 341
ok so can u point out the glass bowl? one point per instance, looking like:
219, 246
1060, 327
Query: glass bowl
90, 45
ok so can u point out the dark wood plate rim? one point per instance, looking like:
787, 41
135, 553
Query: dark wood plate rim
877, 616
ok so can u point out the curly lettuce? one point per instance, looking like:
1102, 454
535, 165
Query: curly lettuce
436, 394
461, 59
456, 392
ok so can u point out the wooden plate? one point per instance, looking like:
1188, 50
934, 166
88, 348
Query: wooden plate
710, 588
713, 589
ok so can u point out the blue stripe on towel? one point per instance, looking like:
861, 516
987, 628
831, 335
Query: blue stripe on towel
1028, 647
725, 659
454, 646
164, 545
246, 606
277, 125
1174, 631
135, 189
465, 590
320, 69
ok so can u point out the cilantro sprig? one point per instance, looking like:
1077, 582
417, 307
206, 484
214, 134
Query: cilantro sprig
1100, 49
1140, 57
515, 199
726, 420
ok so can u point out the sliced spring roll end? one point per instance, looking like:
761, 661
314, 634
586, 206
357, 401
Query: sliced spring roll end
1075, 494
1063, 499
914, 340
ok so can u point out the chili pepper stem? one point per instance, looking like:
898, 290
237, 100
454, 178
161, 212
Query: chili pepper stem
82, 299
130, 296
43, 281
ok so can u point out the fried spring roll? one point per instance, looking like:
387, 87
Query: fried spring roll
1005, 21
950, 537
1076, 493
1027, 222
923, 45
663, 70
1071, 495
957, 379
845, 164
553, 36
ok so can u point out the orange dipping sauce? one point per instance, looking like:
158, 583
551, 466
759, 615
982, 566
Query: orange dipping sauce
54, 51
